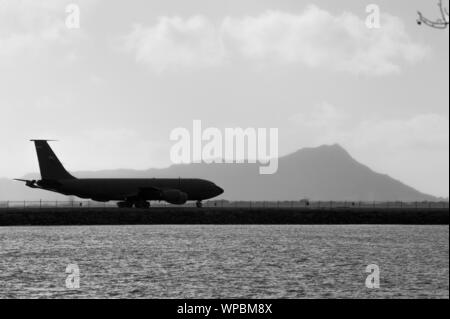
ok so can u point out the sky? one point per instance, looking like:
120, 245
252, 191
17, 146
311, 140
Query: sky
112, 90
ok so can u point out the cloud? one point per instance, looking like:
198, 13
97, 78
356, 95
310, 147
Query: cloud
29, 27
323, 116
421, 131
326, 123
174, 42
314, 38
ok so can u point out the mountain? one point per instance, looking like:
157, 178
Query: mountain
324, 173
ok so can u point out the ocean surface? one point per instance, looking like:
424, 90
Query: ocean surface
224, 261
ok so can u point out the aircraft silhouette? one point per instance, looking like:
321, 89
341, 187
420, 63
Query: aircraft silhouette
128, 192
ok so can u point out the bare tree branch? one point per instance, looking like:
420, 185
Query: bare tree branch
440, 23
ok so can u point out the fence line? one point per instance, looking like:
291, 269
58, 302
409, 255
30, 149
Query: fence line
237, 204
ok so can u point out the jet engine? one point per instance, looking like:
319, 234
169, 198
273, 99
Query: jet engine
174, 196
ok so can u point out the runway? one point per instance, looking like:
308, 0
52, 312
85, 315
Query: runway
222, 216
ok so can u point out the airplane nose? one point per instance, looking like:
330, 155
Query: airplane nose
219, 190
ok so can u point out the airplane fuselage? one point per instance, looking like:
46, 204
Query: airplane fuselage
104, 189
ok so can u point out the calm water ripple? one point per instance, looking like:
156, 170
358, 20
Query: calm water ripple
224, 261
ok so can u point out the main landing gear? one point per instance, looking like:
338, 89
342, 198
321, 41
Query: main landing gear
125, 204
199, 204
129, 204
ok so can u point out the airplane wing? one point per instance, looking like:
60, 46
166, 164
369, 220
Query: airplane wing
149, 191
146, 192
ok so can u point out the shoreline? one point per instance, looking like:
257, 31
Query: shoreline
222, 216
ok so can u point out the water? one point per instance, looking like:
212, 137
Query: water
224, 261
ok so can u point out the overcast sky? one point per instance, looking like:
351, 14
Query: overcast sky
112, 91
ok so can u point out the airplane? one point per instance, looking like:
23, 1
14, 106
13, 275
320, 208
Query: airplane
129, 192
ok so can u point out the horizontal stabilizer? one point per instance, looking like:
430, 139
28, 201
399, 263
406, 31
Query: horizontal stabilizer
29, 183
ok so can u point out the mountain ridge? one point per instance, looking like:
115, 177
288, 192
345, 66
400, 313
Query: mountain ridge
326, 172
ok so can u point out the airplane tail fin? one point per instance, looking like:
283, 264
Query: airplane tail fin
50, 166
